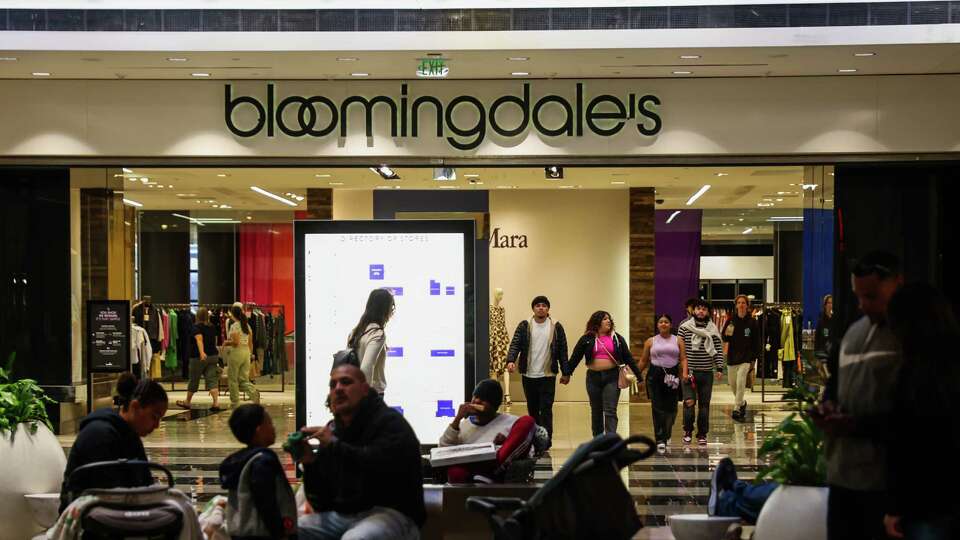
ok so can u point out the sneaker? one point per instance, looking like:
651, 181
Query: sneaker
743, 410
736, 415
702, 440
687, 437
723, 478
662, 447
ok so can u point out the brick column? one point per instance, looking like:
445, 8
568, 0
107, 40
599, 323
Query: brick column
641, 267
319, 203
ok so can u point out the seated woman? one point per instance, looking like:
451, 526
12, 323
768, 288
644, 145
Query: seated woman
110, 434
479, 422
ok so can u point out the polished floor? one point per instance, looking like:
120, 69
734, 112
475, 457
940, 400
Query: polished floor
193, 443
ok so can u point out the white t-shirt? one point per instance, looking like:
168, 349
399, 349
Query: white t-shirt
539, 349
471, 433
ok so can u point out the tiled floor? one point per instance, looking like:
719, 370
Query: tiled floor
192, 444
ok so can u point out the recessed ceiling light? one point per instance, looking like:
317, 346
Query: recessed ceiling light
126, 170
321, 176
673, 216
506, 187
864, 54
779, 200
144, 180
748, 230
222, 175
518, 58
347, 59
693, 198
471, 175
721, 174
618, 182
176, 59
41, 74
170, 186
846, 70
132, 202
336, 183
689, 56
8, 59
448, 187
520, 73
386, 172
739, 219
359, 74
249, 217
683, 73
273, 196
200, 75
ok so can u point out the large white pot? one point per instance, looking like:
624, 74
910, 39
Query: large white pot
794, 513
28, 464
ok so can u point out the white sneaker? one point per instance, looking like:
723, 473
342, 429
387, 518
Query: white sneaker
661, 448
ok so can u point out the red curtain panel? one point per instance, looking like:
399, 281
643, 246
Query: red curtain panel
266, 266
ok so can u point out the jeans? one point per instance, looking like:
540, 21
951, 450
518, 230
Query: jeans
745, 500
540, 392
663, 401
238, 375
855, 515
375, 524
604, 395
738, 381
701, 397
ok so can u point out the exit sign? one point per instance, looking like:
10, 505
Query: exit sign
432, 68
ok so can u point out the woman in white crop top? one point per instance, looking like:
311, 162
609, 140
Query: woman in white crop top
237, 350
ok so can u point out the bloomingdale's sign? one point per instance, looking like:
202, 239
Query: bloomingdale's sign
551, 115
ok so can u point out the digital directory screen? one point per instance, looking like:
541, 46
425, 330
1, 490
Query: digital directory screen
429, 338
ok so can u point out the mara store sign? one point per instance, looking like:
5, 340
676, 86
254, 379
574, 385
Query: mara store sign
463, 120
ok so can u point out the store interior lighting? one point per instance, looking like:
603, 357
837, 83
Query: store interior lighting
131, 202
553, 172
693, 198
385, 172
273, 196
673, 216
444, 174
785, 218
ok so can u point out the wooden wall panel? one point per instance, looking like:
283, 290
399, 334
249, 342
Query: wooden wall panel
319, 203
641, 267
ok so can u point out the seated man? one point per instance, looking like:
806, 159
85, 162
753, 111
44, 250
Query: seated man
730, 497
479, 422
365, 480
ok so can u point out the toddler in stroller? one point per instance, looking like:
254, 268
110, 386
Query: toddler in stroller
155, 512
585, 499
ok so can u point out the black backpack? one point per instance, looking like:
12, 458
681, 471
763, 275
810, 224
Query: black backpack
349, 355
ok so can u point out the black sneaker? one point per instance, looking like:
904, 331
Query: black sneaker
743, 410
736, 415
724, 476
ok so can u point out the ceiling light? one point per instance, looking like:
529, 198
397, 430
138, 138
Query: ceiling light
785, 218
8, 59
506, 187
811, 187
864, 54
163, 226
698, 194
781, 192
449, 187
764, 205
131, 202
222, 175
170, 186
748, 230
249, 217
520, 73
673, 216
347, 59
188, 218
740, 219
273, 196
518, 58
126, 170
385, 172
335, 183
41, 74
553, 172
618, 182
444, 174
689, 56
779, 200
176, 59
721, 174
471, 175
199, 74
683, 73
321, 176
846, 70
566, 187
359, 74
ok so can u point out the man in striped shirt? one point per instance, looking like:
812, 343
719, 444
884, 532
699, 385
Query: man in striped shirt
704, 348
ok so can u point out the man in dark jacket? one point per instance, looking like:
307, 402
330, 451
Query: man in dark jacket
365, 479
541, 345
741, 347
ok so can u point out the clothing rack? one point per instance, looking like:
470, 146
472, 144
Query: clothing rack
766, 307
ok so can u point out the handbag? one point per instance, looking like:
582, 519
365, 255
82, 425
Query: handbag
625, 377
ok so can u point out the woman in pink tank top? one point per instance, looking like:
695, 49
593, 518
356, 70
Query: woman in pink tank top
665, 361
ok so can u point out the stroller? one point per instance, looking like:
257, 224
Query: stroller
157, 511
585, 499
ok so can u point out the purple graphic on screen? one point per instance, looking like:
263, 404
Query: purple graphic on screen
445, 408
395, 351
451, 291
376, 272
441, 352
396, 291
434, 288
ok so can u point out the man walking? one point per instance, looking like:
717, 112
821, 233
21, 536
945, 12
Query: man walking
860, 398
701, 338
541, 345
741, 346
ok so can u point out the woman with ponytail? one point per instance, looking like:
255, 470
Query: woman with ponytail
110, 434
237, 350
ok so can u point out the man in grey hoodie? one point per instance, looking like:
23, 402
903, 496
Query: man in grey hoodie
860, 401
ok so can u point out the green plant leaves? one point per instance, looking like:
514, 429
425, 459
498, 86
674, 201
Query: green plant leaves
794, 452
21, 402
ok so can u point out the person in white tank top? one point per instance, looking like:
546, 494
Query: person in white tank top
665, 361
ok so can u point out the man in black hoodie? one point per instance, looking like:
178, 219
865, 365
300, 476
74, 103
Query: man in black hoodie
365, 478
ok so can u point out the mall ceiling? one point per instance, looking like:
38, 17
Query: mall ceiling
739, 198
488, 64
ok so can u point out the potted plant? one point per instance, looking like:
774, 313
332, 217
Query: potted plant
794, 457
31, 459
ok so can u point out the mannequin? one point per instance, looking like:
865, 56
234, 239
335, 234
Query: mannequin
499, 343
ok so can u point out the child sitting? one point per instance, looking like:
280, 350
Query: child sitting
261, 504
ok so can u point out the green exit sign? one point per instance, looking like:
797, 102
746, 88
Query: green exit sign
432, 68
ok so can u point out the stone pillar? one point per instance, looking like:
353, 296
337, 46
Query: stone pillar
642, 251
319, 203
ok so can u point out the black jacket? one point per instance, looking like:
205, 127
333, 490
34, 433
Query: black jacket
105, 436
520, 347
743, 335
822, 338
584, 350
263, 481
373, 462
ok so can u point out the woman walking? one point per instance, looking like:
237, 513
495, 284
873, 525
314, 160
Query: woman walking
368, 339
237, 350
204, 361
605, 352
666, 362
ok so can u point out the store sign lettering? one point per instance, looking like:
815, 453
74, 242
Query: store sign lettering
319, 116
498, 240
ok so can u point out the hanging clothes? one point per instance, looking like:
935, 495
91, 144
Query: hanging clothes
148, 317
165, 326
787, 339
172, 361
771, 344
280, 344
140, 350
185, 321
499, 341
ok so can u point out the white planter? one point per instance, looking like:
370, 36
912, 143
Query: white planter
794, 513
28, 464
